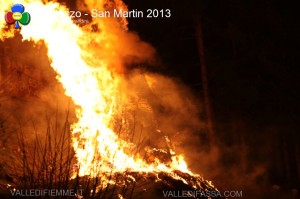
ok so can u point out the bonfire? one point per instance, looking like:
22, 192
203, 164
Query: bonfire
107, 151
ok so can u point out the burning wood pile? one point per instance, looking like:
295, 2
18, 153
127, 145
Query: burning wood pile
128, 185
156, 185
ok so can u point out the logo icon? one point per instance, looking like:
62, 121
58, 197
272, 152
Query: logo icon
17, 15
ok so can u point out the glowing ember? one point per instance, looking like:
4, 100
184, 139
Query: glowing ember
89, 78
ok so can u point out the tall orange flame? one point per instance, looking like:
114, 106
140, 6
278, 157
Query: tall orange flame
85, 61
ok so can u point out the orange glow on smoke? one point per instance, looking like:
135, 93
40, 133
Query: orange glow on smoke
86, 62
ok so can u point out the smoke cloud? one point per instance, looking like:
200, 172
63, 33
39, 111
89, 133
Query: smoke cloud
155, 108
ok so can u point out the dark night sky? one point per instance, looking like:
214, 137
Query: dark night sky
252, 51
